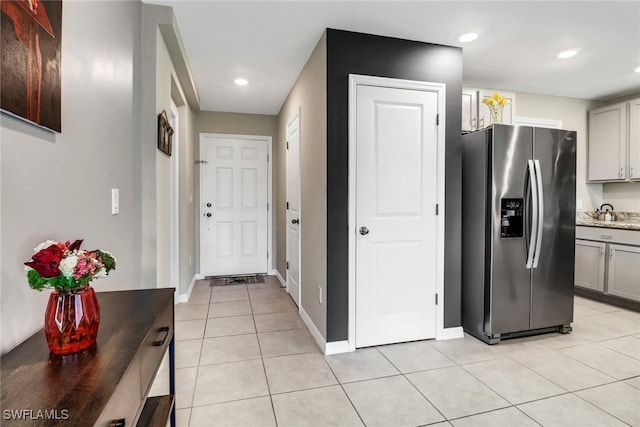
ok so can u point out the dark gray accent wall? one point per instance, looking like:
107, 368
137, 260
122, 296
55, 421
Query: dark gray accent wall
365, 54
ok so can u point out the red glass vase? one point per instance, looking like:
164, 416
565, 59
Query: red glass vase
71, 320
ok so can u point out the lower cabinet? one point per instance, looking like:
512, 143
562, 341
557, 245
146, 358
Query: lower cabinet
590, 261
624, 271
608, 262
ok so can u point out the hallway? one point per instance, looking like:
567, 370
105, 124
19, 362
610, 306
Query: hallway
245, 358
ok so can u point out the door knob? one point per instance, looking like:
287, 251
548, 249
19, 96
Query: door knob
208, 214
364, 231
208, 205
295, 221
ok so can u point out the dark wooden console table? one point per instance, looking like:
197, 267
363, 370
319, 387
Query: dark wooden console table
106, 385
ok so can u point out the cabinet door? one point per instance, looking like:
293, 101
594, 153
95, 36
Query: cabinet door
469, 109
634, 139
608, 143
508, 113
624, 280
589, 268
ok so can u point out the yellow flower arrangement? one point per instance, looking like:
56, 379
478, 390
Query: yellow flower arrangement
496, 100
496, 103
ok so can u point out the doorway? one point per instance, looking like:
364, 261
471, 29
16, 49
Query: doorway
235, 204
396, 196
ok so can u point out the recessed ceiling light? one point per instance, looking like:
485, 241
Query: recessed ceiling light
637, 70
469, 37
241, 82
567, 53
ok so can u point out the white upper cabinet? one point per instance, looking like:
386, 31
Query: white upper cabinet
614, 142
469, 109
634, 139
475, 113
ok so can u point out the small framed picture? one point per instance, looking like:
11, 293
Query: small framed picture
165, 133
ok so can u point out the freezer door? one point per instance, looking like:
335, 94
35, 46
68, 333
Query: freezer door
509, 282
552, 285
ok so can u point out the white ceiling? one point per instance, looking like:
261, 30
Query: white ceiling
268, 43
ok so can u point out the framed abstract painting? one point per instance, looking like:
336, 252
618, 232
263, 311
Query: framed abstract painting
30, 68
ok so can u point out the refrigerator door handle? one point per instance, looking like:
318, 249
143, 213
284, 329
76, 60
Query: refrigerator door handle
534, 211
540, 214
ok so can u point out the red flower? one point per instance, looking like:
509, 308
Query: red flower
47, 261
75, 245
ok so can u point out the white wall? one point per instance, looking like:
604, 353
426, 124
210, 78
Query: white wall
160, 54
188, 206
623, 196
164, 70
168, 88
58, 186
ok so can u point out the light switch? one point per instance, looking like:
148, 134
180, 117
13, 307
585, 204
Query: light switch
579, 204
115, 201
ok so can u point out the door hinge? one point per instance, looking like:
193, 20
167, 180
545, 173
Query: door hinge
436, 299
437, 119
287, 145
287, 265
287, 205
267, 158
267, 254
267, 206
437, 209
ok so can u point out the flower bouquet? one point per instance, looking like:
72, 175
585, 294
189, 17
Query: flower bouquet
57, 265
496, 103
73, 313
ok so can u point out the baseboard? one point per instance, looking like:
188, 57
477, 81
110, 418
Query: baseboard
280, 279
312, 328
450, 333
336, 347
183, 298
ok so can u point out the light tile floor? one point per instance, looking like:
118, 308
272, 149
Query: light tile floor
245, 358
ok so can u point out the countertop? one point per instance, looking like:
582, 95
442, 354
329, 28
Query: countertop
625, 221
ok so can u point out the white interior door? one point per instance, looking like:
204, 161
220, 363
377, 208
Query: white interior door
234, 207
396, 196
293, 208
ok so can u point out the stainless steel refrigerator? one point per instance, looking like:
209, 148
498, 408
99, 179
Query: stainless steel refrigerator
518, 231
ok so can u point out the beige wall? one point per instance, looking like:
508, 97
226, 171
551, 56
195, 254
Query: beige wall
310, 95
574, 114
240, 124
235, 123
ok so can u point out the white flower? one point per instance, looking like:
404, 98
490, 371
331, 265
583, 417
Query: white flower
68, 265
100, 273
43, 245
